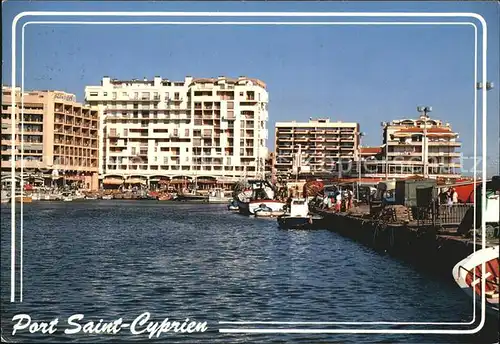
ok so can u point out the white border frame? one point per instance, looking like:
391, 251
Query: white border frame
269, 14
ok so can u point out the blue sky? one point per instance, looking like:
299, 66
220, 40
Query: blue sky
366, 74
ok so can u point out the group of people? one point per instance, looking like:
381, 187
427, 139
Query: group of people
449, 197
339, 201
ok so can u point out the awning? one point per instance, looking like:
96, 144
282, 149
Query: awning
206, 181
135, 181
112, 181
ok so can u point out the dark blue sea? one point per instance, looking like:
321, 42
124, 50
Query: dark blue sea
119, 259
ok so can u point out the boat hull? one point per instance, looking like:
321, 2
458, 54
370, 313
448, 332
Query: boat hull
299, 222
468, 275
265, 213
249, 208
219, 200
191, 198
24, 199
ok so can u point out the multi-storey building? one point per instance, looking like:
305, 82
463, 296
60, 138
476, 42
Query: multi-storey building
56, 137
422, 146
316, 147
195, 128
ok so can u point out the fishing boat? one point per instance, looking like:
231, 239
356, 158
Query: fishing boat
218, 195
107, 197
299, 217
191, 197
468, 274
259, 192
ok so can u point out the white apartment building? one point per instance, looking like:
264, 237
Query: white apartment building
424, 146
315, 147
199, 127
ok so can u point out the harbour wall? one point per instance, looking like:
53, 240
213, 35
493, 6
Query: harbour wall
423, 247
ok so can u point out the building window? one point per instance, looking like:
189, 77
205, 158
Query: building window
94, 94
105, 94
187, 134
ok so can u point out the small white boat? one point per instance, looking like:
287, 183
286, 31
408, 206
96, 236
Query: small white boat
218, 195
233, 205
5, 197
298, 217
107, 197
468, 275
67, 199
78, 195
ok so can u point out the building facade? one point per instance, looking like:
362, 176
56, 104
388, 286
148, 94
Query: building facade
316, 147
423, 146
56, 138
195, 128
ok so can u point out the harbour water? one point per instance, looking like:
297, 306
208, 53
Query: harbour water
119, 259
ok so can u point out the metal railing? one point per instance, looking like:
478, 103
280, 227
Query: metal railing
452, 214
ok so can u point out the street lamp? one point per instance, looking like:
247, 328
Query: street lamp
479, 86
360, 135
425, 110
489, 86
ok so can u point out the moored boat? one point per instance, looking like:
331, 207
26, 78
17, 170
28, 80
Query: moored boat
191, 197
218, 195
468, 274
264, 211
233, 205
299, 217
5, 197
260, 193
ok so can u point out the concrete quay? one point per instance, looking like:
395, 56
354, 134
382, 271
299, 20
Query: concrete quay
425, 247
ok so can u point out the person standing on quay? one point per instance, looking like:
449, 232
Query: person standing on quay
454, 197
449, 199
